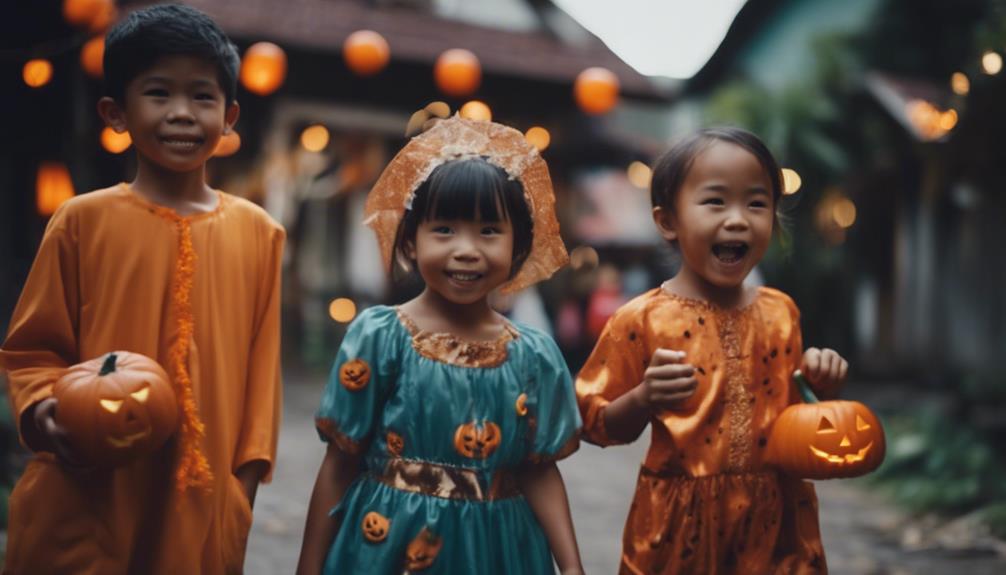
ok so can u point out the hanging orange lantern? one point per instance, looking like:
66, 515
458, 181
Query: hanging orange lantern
52, 187
88, 13
366, 52
37, 73
457, 72
263, 68
114, 142
92, 56
228, 145
596, 90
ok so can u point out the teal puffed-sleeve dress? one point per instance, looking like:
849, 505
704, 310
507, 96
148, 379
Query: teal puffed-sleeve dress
443, 425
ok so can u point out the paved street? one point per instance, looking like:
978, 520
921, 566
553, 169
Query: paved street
862, 534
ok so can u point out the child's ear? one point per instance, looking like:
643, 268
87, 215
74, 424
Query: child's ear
113, 114
666, 226
231, 116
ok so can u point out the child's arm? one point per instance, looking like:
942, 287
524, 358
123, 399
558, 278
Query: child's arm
262, 394
666, 383
338, 470
545, 492
825, 370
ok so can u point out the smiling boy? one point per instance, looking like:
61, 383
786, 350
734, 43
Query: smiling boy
170, 268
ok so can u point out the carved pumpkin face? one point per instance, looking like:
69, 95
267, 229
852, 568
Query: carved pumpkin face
521, 405
375, 527
422, 551
477, 441
826, 440
116, 408
354, 374
395, 443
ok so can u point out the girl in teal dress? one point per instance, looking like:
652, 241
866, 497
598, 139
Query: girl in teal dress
443, 419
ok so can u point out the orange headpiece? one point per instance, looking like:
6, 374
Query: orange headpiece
457, 138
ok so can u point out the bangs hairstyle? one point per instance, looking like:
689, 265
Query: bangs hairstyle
149, 34
469, 189
672, 167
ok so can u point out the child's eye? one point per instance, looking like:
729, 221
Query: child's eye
759, 204
491, 230
205, 96
156, 93
441, 229
712, 202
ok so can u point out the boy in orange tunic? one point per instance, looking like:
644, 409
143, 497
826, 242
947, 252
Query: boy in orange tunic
170, 268
708, 363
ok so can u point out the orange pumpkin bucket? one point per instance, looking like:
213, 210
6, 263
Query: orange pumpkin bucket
825, 439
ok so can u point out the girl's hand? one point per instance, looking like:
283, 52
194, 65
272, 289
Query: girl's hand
824, 369
667, 382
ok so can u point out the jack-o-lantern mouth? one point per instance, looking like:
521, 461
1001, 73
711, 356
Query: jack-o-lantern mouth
127, 440
847, 458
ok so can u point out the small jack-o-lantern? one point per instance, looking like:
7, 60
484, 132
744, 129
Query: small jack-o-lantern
826, 440
396, 443
521, 405
422, 551
116, 408
375, 527
354, 374
477, 441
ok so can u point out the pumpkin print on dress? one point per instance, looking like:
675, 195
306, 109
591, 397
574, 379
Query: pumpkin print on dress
422, 551
354, 374
116, 408
826, 440
395, 443
477, 441
521, 405
375, 527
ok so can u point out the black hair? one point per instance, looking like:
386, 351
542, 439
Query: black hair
469, 189
672, 167
148, 34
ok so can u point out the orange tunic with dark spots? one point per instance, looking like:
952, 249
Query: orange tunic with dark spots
705, 502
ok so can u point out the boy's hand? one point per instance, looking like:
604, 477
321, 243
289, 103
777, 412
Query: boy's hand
824, 369
667, 382
54, 436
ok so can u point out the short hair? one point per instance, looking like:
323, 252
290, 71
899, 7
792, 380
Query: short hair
470, 189
148, 34
672, 167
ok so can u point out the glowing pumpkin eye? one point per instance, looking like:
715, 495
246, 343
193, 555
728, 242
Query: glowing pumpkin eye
825, 426
141, 395
111, 405
860, 424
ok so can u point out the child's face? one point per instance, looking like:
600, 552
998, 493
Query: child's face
176, 112
463, 260
723, 215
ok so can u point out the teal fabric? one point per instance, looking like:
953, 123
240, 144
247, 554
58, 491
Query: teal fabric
424, 401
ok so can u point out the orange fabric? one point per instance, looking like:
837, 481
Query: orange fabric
704, 501
104, 279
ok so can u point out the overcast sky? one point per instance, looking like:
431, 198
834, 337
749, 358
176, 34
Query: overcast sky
671, 38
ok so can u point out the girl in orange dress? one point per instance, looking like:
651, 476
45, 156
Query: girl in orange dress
708, 363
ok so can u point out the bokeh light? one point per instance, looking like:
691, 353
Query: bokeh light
960, 83
342, 310
314, 138
37, 73
791, 181
639, 175
992, 63
114, 142
476, 110
538, 137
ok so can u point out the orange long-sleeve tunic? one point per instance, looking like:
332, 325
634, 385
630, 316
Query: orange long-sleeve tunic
103, 280
705, 503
